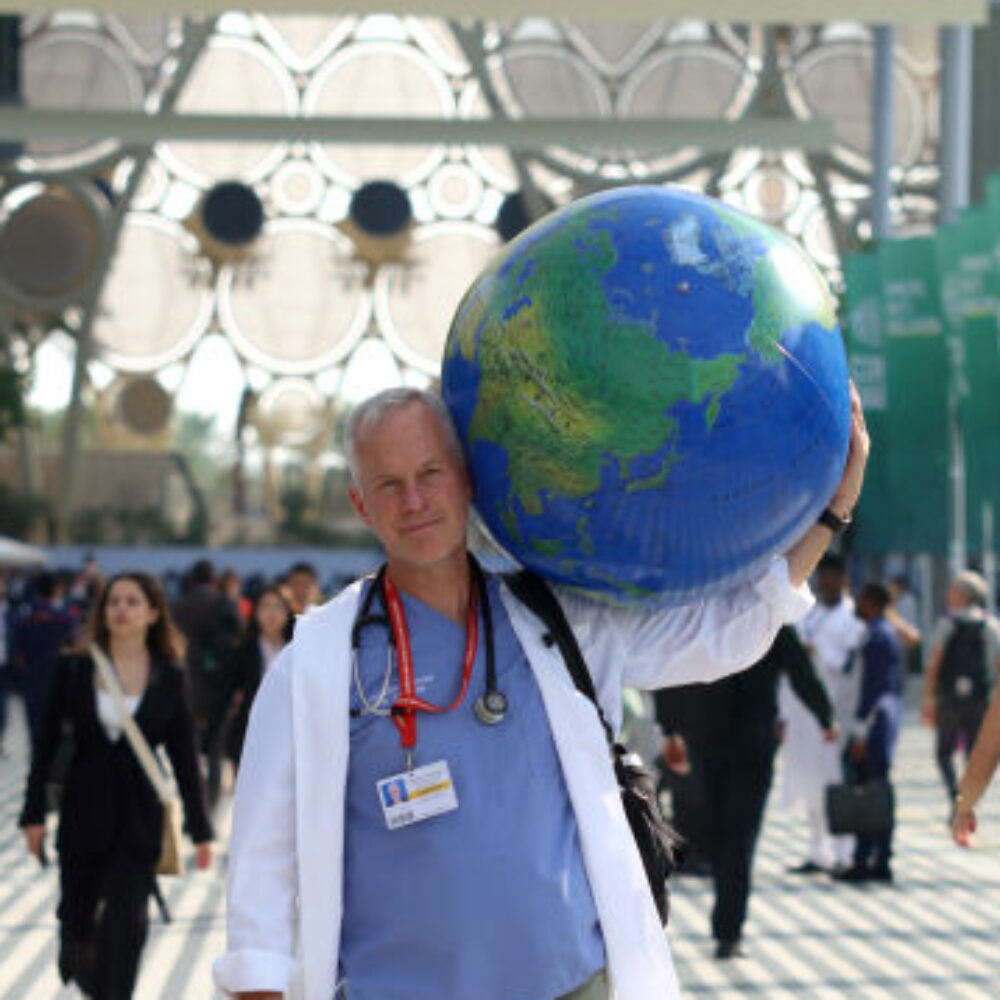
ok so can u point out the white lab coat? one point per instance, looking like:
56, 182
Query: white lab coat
285, 892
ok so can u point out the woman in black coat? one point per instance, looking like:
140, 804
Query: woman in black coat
270, 629
110, 818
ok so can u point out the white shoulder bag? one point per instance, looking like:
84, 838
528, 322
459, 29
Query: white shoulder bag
171, 862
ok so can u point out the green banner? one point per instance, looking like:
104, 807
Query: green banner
970, 294
993, 190
865, 341
916, 414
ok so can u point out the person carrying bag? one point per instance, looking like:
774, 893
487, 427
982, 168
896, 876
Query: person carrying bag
874, 735
171, 861
123, 695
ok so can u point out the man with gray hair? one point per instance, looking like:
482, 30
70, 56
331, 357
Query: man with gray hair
965, 658
426, 807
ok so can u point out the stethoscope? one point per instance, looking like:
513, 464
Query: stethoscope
490, 707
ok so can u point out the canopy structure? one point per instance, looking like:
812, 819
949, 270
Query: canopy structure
285, 205
15, 553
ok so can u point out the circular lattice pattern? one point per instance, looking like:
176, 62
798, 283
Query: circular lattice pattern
689, 81
301, 306
415, 301
291, 412
297, 187
540, 80
819, 240
545, 80
613, 47
54, 65
152, 188
771, 193
231, 76
156, 300
378, 79
835, 82
304, 42
493, 163
455, 191
146, 39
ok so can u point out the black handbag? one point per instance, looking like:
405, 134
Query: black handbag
864, 809
654, 838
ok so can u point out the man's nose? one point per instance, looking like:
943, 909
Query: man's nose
413, 497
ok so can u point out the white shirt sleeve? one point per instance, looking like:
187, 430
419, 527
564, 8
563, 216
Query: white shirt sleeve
694, 643
262, 853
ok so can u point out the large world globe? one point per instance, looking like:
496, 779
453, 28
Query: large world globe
652, 394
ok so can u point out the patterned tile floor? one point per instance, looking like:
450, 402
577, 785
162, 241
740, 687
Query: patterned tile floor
933, 934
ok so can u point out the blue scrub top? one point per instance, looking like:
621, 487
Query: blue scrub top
491, 900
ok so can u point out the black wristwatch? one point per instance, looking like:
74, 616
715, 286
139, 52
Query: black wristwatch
838, 525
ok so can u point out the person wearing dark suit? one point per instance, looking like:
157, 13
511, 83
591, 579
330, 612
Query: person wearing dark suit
110, 818
40, 633
730, 728
211, 626
876, 724
270, 628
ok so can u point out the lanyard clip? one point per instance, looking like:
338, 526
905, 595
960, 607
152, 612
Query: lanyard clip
409, 760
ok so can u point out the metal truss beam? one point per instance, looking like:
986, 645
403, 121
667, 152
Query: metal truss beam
739, 11
136, 128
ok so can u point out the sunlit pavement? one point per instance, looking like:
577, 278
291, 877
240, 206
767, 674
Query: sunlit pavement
934, 933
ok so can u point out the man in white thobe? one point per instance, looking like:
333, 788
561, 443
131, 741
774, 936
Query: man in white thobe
832, 633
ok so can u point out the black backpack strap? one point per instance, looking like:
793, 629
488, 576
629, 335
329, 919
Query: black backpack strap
535, 594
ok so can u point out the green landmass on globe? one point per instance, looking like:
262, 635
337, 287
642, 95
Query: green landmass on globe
581, 359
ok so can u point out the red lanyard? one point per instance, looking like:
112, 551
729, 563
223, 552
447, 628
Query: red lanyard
406, 706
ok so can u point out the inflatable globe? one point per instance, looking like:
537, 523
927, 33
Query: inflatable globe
652, 394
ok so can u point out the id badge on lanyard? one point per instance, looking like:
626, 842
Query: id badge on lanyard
412, 796
419, 793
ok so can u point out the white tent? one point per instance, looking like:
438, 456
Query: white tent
14, 553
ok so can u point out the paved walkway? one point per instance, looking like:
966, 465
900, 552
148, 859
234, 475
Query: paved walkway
932, 935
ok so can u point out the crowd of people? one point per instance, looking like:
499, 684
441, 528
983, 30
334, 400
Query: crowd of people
511, 798
829, 695
220, 616
188, 666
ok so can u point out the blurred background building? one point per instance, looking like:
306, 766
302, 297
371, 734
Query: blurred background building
189, 305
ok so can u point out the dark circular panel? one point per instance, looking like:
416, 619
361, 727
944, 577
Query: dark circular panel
514, 216
232, 213
50, 245
143, 406
381, 208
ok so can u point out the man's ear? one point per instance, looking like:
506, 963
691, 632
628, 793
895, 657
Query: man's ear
358, 503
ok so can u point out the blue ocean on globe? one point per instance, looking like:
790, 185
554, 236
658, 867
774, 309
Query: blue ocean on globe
652, 393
